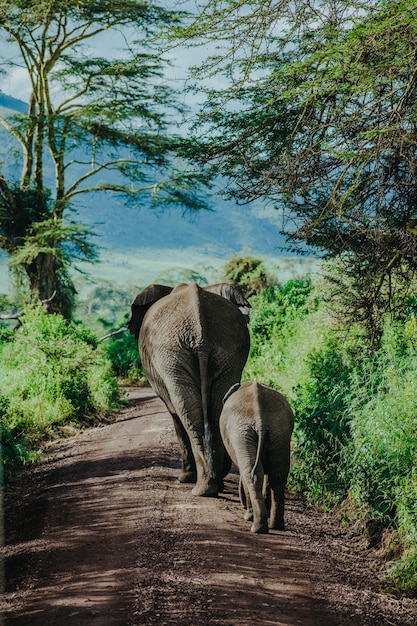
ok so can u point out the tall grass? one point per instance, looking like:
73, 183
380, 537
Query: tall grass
384, 443
51, 374
285, 323
125, 359
356, 412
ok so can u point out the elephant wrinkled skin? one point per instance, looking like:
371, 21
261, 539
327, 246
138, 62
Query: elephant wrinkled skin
193, 344
256, 425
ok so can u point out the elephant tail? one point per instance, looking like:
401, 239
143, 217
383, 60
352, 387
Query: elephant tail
208, 443
261, 439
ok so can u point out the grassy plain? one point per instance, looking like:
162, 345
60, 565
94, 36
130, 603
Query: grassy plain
133, 269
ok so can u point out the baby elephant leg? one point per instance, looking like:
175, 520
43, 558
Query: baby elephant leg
260, 512
245, 501
276, 516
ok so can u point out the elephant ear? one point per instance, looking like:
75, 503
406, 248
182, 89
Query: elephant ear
143, 301
231, 293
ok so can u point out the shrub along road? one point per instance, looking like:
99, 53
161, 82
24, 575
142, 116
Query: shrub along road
102, 533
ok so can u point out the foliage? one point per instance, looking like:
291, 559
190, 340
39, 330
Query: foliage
354, 443
98, 120
280, 361
317, 114
275, 308
125, 358
404, 572
357, 296
323, 430
384, 420
248, 274
51, 374
384, 447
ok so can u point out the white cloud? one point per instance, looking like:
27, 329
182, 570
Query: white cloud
16, 83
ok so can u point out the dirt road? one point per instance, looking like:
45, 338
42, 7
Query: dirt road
102, 534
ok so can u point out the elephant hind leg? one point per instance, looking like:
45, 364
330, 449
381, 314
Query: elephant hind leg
197, 452
256, 510
188, 472
260, 517
210, 489
276, 519
274, 502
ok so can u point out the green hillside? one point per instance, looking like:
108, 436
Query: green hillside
224, 228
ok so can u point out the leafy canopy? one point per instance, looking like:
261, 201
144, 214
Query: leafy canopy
316, 113
100, 119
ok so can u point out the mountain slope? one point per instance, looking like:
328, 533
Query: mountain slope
226, 227
12, 104
142, 245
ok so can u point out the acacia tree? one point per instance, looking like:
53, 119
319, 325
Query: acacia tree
318, 116
97, 121
248, 274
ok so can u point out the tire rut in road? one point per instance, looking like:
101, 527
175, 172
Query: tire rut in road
169, 585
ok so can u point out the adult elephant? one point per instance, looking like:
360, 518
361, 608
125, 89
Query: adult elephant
193, 344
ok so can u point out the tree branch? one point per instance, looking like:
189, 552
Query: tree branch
114, 333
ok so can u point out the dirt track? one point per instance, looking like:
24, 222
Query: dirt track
102, 533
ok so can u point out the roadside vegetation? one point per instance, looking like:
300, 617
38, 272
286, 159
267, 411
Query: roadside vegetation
355, 444
53, 378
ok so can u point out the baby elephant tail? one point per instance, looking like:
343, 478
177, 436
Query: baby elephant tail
232, 389
254, 473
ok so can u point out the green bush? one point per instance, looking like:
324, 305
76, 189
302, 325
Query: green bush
323, 430
248, 274
384, 443
276, 306
125, 358
283, 323
403, 573
52, 373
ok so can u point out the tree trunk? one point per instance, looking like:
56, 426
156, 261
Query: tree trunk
42, 275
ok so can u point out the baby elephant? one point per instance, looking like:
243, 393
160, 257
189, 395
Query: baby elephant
256, 425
